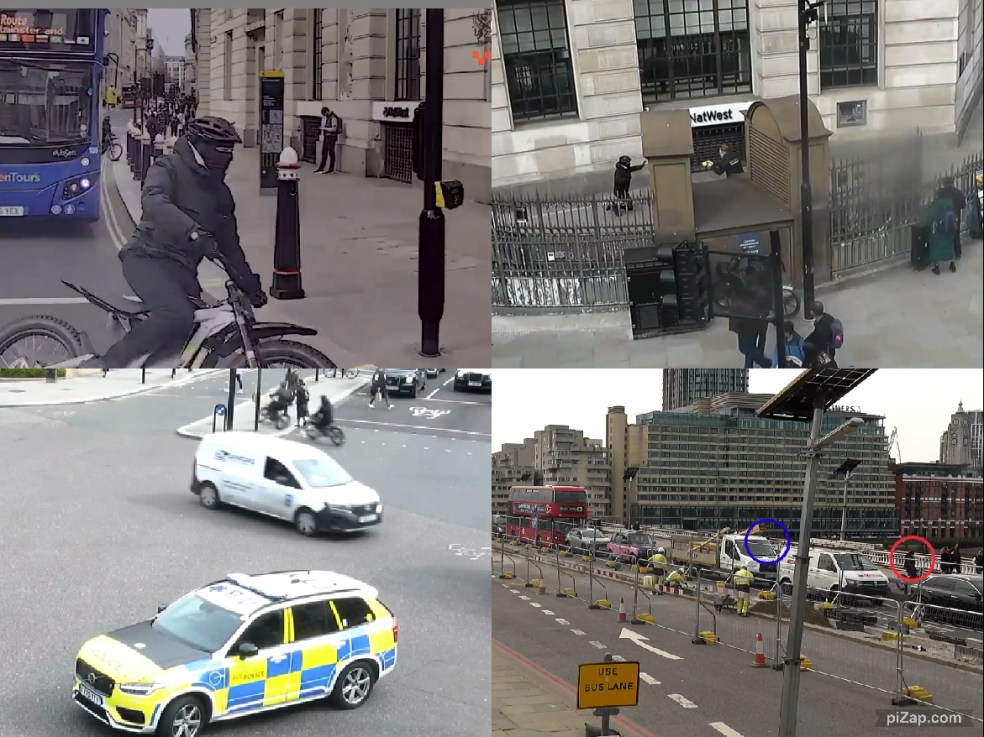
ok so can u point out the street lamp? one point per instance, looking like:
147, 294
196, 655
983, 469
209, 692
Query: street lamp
807, 14
806, 399
846, 469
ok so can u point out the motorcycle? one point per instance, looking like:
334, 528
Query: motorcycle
278, 419
226, 335
729, 284
332, 432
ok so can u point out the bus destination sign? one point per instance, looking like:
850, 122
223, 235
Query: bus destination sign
56, 30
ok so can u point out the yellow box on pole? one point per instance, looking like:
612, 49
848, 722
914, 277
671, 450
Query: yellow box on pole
607, 685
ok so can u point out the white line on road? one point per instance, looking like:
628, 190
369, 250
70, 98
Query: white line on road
525, 598
547, 612
43, 301
597, 644
724, 729
562, 622
646, 678
536, 604
458, 401
682, 701
579, 633
429, 428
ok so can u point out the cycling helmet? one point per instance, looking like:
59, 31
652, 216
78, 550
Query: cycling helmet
625, 159
218, 131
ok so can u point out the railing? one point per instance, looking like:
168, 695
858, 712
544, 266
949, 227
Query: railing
907, 650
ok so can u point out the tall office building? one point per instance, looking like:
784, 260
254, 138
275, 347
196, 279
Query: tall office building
682, 387
961, 443
719, 465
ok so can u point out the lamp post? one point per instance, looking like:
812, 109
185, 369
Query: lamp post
846, 469
807, 14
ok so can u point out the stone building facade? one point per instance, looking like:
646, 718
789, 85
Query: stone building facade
120, 43
368, 66
570, 77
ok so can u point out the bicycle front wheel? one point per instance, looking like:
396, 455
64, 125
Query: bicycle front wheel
115, 152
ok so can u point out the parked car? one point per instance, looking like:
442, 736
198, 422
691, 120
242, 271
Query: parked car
586, 540
405, 381
948, 592
472, 380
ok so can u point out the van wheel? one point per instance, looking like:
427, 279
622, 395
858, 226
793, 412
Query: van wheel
306, 523
183, 717
353, 686
208, 495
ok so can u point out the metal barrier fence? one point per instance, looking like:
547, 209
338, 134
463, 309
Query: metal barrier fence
557, 252
909, 651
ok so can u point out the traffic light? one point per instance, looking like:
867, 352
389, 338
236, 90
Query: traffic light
691, 276
667, 287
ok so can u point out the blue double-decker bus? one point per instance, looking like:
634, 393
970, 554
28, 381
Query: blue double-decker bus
51, 62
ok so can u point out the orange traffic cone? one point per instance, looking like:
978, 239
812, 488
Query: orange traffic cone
621, 610
543, 587
759, 661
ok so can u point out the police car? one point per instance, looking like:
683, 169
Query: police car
243, 645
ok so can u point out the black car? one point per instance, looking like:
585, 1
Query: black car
405, 381
948, 592
474, 380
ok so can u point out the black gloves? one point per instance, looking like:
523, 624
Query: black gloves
254, 291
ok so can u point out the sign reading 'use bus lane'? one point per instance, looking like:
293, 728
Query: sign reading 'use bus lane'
607, 685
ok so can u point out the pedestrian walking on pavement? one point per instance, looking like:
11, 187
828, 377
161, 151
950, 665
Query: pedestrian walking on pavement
948, 191
303, 398
743, 586
945, 559
819, 348
330, 128
751, 333
943, 224
377, 387
956, 559
979, 562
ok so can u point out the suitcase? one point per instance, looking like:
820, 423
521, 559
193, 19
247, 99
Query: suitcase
919, 248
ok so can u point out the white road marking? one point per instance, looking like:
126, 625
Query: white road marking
724, 729
344, 421
525, 598
579, 633
536, 604
618, 658
643, 642
547, 612
562, 622
458, 401
646, 678
597, 644
13, 301
682, 701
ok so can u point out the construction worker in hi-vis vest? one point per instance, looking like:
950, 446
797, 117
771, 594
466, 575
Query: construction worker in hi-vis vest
743, 584
658, 562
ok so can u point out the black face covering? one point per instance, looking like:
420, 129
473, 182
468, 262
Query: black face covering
217, 158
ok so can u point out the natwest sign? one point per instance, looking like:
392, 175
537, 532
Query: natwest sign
393, 112
701, 117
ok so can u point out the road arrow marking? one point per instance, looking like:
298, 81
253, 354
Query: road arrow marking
642, 641
683, 701
649, 679
724, 729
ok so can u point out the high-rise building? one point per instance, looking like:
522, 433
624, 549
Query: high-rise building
720, 465
942, 502
961, 442
554, 455
682, 387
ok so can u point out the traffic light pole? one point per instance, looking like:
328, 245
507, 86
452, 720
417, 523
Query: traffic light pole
430, 274
805, 13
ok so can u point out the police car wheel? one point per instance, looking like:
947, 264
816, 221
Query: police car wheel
183, 717
305, 523
208, 495
353, 686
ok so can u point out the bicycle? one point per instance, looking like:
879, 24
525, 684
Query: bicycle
110, 144
226, 335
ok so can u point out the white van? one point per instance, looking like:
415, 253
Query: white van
282, 479
837, 570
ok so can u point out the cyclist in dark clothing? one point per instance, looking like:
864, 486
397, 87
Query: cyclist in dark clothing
323, 418
107, 133
622, 182
188, 215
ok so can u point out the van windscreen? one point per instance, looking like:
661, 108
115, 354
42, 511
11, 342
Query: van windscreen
321, 473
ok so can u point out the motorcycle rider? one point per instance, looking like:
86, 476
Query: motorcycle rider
279, 401
323, 419
188, 215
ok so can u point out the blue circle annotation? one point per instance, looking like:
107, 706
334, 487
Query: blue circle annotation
785, 531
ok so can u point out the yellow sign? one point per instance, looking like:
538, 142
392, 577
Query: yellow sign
607, 685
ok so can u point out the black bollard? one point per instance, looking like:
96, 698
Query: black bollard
158, 148
430, 274
134, 136
146, 152
287, 238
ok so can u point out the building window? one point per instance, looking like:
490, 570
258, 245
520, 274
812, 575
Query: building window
539, 73
407, 54
849, 43
317, 56
692, 48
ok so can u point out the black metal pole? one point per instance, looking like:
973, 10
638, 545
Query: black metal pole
430, 281
134, 89
777, 297
231, 404
806, 191
256, 404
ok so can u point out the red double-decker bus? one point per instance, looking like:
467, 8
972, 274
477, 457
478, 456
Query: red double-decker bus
545, 514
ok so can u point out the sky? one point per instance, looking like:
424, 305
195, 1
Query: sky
170, 26
918, 402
